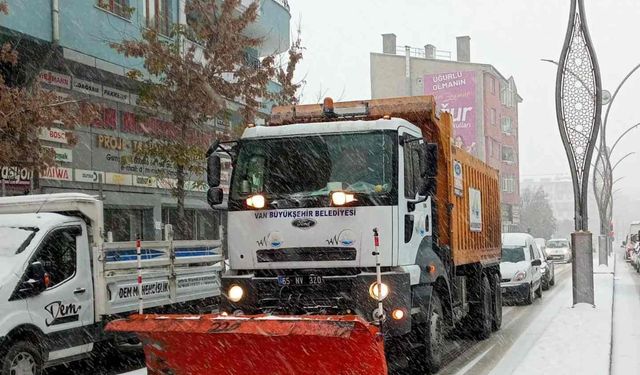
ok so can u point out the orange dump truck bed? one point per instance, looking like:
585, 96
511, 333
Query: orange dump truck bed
472, 228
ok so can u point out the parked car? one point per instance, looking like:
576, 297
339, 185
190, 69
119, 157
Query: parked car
521, 268
548, 271
559, 249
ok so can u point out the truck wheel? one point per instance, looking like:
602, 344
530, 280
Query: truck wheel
484, 312
434, 339
428, 339
22, 357
497, 303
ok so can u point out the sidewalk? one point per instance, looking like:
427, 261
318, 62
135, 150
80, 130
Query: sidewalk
575, 340
626, 319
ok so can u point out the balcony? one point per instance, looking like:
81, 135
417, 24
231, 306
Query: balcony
273, 25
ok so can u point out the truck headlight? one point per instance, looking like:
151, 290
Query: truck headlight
381, 291
340, 198
235, 293
520, 275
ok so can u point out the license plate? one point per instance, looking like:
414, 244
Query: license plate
300, 280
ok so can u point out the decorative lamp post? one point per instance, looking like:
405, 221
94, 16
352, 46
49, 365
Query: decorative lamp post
578, 111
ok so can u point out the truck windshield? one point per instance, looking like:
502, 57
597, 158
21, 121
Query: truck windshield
314, 165
15, 239
512, 254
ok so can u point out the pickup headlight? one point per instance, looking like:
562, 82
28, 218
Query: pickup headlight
520, 275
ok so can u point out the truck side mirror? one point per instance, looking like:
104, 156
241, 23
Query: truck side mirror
213, 170
429, 168
215, 196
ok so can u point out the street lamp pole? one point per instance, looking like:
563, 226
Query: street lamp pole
578, 113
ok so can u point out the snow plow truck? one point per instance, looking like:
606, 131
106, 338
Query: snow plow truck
358, 237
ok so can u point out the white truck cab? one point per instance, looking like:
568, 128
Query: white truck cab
60, 282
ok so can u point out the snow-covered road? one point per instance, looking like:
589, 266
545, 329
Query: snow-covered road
521, 328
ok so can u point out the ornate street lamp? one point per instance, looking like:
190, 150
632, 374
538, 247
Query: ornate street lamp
578, 111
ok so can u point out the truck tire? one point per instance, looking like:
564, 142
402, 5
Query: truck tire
22, 357
429, 337
497, 303
434, 339
484, 312
553, 279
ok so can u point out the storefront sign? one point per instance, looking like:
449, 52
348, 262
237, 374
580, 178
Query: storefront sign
115, 94
166, 183
84, 175
57, 173
111, 143
63, 155
144, 181
55, 79
87, 87
119, 179
15, 175
53, 135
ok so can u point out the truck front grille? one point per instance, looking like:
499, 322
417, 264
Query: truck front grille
306, 254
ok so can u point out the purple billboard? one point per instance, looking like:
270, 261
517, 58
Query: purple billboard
455, 93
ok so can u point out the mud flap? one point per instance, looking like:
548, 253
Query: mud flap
215, 344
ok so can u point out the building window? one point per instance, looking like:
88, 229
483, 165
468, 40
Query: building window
493, 116
493, 85
506, 125
507, 95
508, 155
129, 224
119, 7
157, 14
508, 184
200, 224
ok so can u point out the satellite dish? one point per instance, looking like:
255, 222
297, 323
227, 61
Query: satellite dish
606, 97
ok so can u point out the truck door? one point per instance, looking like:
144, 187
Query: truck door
414, 218
64, 311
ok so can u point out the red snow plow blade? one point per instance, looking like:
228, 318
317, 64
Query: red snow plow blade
246, 345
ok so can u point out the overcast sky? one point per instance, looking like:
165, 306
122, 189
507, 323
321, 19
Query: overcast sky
513, 35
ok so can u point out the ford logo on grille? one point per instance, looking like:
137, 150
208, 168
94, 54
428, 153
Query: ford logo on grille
303, 223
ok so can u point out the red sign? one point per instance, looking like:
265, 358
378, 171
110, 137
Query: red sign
55, 79
57, 173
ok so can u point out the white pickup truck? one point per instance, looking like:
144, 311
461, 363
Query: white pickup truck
60, 282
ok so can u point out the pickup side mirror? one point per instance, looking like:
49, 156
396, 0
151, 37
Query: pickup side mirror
36, 280
215, 196
536, 262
